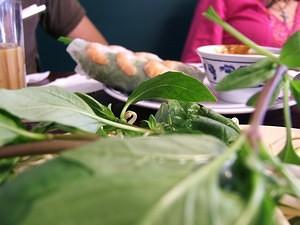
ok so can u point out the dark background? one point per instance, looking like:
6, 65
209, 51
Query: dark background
157, 26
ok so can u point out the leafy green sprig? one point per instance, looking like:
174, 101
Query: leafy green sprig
82, 116
264, 71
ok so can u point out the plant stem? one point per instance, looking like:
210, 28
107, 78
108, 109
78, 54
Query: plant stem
121, 125
286, 111
212, 15
25, 133
39, 148
262, 105
122, 115
82, 137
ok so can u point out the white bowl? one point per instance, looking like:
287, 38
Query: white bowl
217, 65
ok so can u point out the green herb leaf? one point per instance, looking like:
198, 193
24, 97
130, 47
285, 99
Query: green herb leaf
12, 131
250, 76
98, 108
181, 117
170, 85
65, 40
290, 52
295, 88
110, 174
7, 135
252, 101
49, 104
54, 104
181, 175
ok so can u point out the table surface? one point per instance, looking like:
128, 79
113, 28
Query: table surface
272, 118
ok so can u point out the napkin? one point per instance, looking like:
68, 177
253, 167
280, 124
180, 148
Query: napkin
77, 83
36, 77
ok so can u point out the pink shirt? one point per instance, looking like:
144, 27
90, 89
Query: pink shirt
250, 17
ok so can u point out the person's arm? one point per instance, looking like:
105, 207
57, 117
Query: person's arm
85, 29
202, 31
74, 23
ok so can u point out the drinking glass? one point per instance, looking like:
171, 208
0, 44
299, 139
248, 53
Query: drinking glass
12, 61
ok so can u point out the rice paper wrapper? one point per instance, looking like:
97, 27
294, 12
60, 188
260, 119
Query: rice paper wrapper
110, 74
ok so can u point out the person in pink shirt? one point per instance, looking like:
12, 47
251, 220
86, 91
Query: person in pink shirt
266, 22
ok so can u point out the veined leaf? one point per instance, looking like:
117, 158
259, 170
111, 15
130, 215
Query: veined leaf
11, 131
97, 107
290, 52
7, 135
50, 104
110, 174
165, 180
172, 85
180, 117
254, 75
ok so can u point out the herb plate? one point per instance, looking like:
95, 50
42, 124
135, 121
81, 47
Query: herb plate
220, 106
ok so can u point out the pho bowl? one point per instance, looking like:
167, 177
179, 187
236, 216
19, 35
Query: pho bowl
221, 60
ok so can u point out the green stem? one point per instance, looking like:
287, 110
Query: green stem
263, 105
212, 15
25, 133
122, 115
286, 110
120, 125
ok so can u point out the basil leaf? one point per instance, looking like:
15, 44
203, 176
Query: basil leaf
12, 131
97, 107
295, 88
181, 117
253, 75
49, 104
7, 135
172, 85
290, 52
252, 101
110, 174
165, 180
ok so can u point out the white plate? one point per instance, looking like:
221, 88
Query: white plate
35, 78
220, 106
77, 83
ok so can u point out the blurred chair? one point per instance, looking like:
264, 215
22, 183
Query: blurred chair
157, 26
